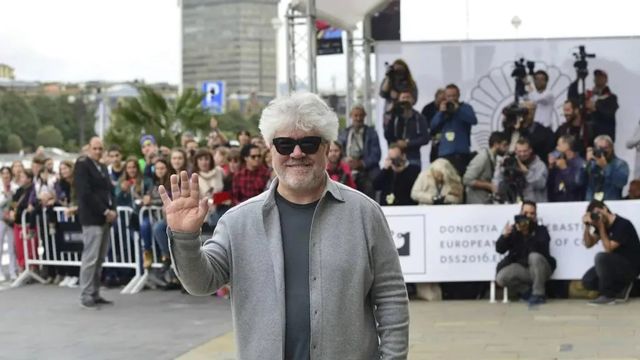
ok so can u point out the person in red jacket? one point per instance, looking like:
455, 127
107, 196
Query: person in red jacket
339, 170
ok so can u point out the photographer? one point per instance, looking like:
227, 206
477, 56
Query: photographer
362, 150
521, 176
605, 173
619, 265
438, 185
454, 121
429, 111
396, 80
407, 128
518, 123
396, 178
565, 166
542, 98
477, 178
528, 264
601, 105
575, 126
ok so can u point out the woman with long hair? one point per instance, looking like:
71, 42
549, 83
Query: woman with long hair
6, 223
397, 79
179, 161
161, 175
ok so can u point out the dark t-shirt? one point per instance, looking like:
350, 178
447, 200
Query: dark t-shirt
623, 232
295, 224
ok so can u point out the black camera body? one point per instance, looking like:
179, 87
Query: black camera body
510, 168
595, 217
438, 200
397, 162
519, 219
511, 114
599, 152
581, 62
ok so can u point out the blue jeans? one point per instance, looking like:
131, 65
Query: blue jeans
160, 236
145, 233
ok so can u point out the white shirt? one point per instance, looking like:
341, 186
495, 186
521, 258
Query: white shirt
544, 107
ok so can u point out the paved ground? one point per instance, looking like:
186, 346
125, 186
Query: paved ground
44, 322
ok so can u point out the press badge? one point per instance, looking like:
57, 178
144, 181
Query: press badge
391, 198
599, 196
450, 136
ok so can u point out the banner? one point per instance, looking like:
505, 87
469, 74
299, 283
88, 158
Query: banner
457, 242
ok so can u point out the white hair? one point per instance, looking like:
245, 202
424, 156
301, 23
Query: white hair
606, 138
299, 111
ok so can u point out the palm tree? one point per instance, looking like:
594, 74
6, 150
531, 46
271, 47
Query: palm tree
151, 113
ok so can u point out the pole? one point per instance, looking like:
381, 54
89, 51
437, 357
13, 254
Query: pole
349, 99
180, 85
366, 94
291, 50
311, 38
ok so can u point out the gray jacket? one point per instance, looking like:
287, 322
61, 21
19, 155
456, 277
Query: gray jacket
480, 168
354, 272
536, 189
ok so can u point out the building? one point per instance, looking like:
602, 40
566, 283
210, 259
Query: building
230, 40
7, 72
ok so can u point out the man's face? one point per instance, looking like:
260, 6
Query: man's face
396, 157
529, 211
451, 95
600, 81
299, 171
148, 148
244, 139
503, 148
185, 138
254, 159
569, 112
95, 149
604, 145
540, 82
192, 146
562, 146
334, 153
523, 152
357, 118
115, 157
36, 167
405, 97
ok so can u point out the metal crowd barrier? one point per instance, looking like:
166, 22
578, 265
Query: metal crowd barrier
124, 245
154, 213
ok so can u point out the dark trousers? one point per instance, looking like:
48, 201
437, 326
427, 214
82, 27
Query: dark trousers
611, 273
459, 161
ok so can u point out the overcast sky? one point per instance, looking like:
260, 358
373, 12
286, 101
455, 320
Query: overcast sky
119, 40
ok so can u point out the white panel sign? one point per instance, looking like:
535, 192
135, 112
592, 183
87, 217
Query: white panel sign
457, 242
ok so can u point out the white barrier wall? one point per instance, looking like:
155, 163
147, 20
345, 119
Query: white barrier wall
457, 242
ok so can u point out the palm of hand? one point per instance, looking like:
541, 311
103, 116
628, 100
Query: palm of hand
184, 215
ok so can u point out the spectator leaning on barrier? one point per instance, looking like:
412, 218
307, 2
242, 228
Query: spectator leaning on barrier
362, 150
65, 189
21, 203
477, 178
407, 128
528, 264
619, 265
7, 191
522, 176
337, 169
576, 127
454, 121
314, 293
565, 167
96, 211
396, 178
151, 197
429, 111
437, 185
605, 173
252, 177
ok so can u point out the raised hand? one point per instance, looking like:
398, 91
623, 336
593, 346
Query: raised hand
185, 212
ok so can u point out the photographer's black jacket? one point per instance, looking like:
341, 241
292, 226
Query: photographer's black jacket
519, 248
541, 138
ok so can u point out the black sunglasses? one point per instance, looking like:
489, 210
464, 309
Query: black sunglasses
308, 144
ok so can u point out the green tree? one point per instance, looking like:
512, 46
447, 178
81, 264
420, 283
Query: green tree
17, 117
49, 136
14, 143
150, 113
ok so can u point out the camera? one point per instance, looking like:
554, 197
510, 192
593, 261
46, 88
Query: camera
511, 114
581, 62
595, 217
521, 219
397, 162
438, 200
450, 108
598, 152
519, 73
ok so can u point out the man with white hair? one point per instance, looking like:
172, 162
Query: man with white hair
305, 285
605, 174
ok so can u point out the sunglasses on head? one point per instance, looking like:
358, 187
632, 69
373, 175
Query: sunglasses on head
308, 144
